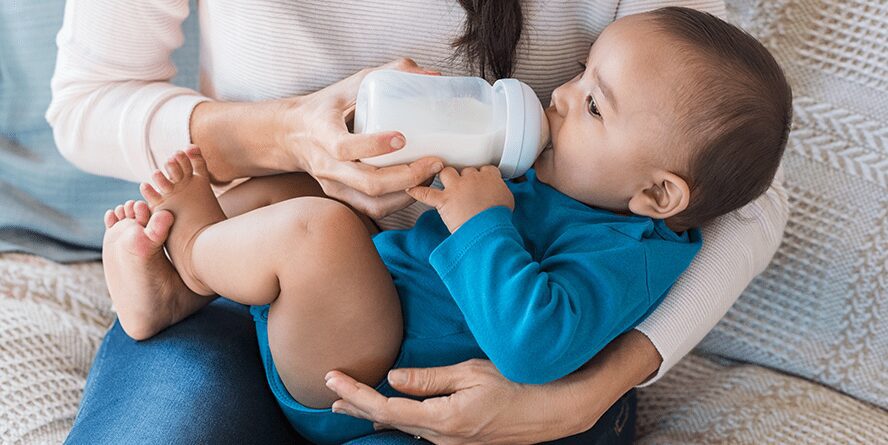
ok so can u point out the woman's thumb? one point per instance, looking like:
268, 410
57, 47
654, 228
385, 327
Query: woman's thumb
426, 382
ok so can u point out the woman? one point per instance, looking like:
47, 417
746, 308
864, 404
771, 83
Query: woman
114, 113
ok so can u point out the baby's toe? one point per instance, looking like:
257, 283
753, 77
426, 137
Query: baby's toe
120, 212
163, 184
184, 163
110, 218
158, 226
197, 161
142, 212
174, 171
128, 210
150, 194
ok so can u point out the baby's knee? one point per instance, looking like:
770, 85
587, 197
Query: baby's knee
322, 218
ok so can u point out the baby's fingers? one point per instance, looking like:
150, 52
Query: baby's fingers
427, 195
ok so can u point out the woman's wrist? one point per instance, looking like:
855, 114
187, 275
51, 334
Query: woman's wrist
628, 361
242, 139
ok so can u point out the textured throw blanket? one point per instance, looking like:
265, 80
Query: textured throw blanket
811, 330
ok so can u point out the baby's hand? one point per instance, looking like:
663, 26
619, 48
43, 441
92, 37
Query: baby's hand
466, 194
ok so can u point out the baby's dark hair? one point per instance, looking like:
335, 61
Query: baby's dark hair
737, 110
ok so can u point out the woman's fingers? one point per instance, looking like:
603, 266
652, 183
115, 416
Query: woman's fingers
372, 206
373, 181
362, 401
345, 146
438, 381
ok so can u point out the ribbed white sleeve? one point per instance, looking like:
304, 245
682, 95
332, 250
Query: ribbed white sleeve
736, 248
113, 110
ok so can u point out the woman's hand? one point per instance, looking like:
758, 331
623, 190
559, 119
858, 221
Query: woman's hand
482, 406
309, 133
466, 194
323, 147
471, 402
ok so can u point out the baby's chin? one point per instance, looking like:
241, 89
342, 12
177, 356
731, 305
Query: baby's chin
543, 165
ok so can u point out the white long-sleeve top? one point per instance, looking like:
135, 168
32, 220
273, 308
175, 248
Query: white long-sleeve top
114, 111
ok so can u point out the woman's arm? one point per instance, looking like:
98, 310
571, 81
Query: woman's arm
113, 110
736, 248
115, 113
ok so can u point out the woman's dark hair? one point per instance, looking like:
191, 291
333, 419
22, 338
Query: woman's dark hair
490, 36
736, 112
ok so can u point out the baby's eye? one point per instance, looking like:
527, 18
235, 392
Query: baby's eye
593, 109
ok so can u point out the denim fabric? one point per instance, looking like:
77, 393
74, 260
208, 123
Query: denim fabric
202, 381
198, 382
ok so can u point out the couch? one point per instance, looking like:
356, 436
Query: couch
802, 357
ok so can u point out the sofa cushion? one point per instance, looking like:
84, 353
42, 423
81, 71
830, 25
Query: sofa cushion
821, 309
705, 400
49, 206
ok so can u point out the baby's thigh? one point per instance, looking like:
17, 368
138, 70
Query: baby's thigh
268, 190
338, 307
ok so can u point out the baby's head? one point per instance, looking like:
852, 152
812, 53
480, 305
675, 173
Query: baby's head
677, 116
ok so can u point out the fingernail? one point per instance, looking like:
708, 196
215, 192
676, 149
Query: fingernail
396, 377
328, 376
438, 166
397, 142
330, 383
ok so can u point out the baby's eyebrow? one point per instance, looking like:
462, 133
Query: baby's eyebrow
605, 89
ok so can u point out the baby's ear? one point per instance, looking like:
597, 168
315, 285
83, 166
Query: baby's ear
667, 196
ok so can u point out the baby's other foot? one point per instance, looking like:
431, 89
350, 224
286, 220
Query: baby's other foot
143, 285
186, 193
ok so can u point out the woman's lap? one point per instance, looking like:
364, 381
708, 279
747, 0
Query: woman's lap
202, 381
199, 381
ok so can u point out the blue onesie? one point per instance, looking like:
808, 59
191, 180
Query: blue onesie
538, 291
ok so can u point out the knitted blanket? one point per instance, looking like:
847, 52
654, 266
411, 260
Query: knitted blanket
819, 311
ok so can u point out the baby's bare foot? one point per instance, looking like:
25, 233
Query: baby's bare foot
144, 287
185, 192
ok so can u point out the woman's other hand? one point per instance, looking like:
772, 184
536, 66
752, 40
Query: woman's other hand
472, 403
480, 405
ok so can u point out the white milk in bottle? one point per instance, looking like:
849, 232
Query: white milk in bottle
463, 120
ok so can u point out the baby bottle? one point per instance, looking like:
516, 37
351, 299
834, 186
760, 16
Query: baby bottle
463, 120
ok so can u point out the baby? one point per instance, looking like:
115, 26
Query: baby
677, 118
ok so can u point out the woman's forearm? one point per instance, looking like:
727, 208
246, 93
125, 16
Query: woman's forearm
240, 139
625, 363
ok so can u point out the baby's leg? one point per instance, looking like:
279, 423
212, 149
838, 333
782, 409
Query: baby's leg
267, 190
333, 303
146, 290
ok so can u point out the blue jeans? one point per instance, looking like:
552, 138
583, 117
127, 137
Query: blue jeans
202, 381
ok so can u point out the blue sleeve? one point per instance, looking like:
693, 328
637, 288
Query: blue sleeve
539, 321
